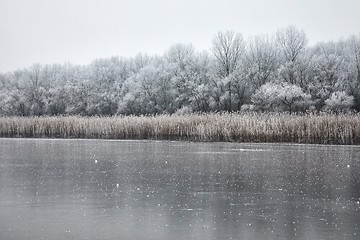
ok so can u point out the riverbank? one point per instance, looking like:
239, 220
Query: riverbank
225, 127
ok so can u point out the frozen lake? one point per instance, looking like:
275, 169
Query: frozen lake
98, 189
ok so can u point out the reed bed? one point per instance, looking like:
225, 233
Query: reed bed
323, 128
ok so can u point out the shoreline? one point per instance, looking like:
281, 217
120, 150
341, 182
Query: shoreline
322, 128
177, 141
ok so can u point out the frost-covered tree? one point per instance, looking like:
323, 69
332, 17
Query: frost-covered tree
353, 53
241, 88
180, 55
27, 93
12, 100
339, 101
148, 92
138, 62
327, 66
36, 80
281, 97
14, 103
12, 97
275, 72
193, 84
292, 43
228, 49
79, 91
262, 59
139, 95
181, 66
3, 93
106, 77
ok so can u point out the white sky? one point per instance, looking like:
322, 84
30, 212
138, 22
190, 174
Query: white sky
78, 31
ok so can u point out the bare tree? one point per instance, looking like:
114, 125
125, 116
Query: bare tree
228, 49
292, 42
262, 59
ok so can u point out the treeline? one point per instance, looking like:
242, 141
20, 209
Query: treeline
278, 72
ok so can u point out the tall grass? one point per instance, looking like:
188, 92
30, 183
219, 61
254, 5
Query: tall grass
244, 127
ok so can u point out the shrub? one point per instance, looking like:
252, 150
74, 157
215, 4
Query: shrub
281, 97
339, 101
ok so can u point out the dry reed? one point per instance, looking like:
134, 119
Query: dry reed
245, 127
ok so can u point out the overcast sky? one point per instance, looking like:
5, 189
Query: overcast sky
78, 31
